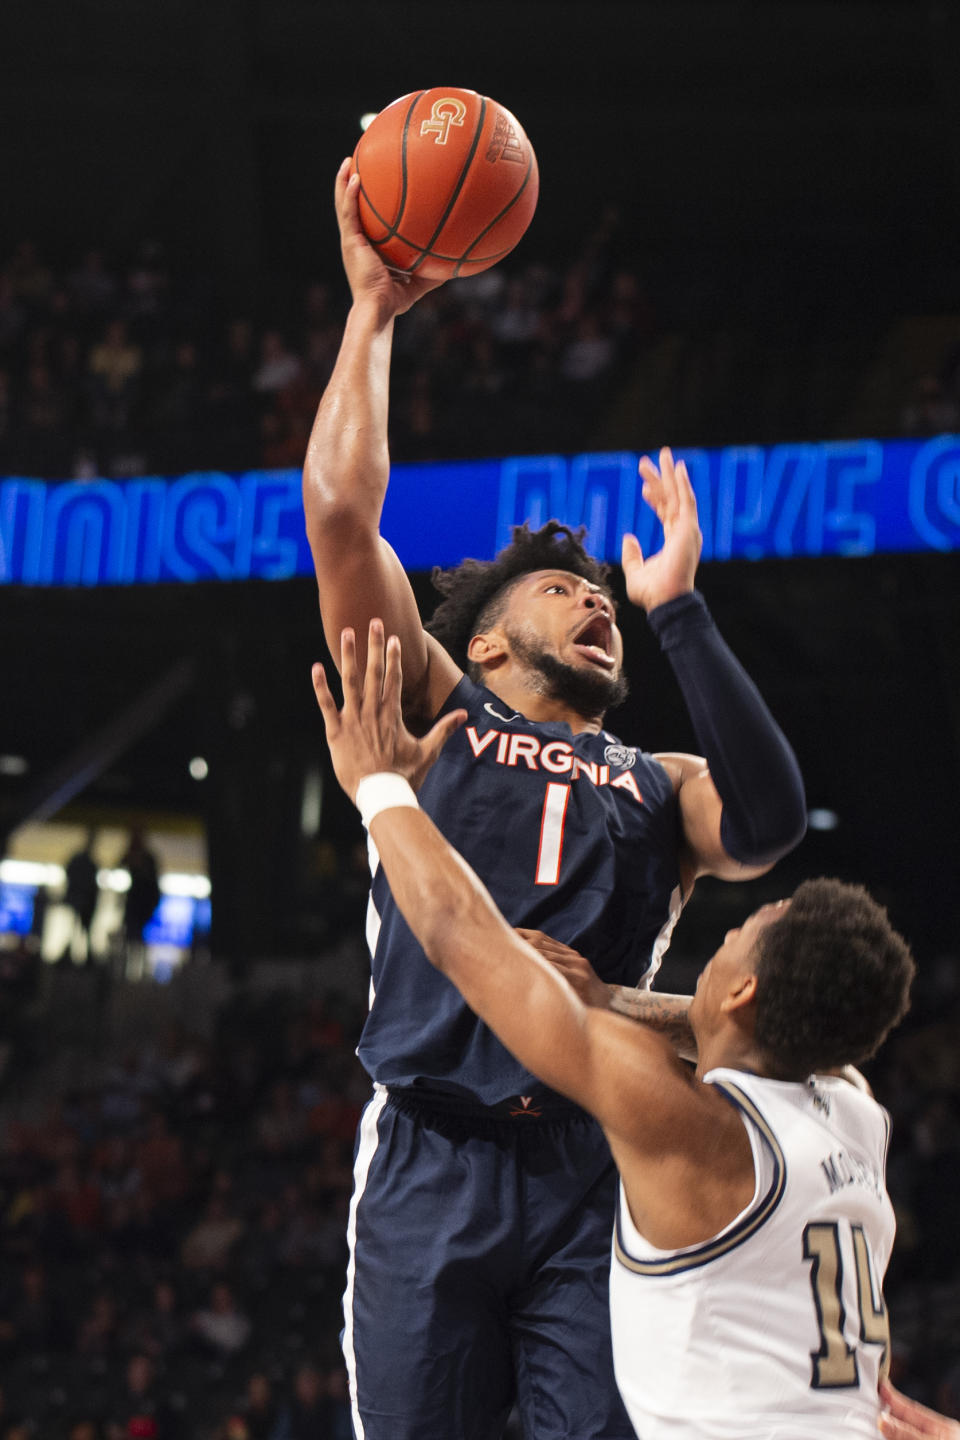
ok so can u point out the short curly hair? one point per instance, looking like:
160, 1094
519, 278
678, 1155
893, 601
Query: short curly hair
475, 591
833, 978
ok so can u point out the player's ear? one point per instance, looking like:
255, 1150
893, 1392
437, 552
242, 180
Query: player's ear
742, 992
487, 648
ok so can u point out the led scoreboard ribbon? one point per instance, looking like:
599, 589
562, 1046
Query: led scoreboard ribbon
833, 498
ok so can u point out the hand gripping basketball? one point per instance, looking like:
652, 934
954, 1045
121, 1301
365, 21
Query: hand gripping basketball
367, 275
368, 735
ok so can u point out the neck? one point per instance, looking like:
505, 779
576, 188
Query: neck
516, 692
722, 1052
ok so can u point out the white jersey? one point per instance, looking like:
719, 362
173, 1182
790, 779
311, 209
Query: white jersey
776, 1328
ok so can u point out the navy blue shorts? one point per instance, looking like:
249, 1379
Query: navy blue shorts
479, 1276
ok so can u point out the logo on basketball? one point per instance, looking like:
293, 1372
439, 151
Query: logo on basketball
504, 143
446, 111
623, 755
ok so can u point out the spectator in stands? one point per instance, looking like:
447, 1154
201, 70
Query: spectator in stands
159, 1330
209, 1243
97, 1333
161, 1162
586, 358
143, 895
81, 896
91, 287
278, 367
12, 315
230, 412
221, 1326
305, 1414
147, 286
930, 409
177, 413
141, 1408
31, 278
84, 1429
43, 413
281, 1127
260, 1410
114, 369
75, 1195
31, 1320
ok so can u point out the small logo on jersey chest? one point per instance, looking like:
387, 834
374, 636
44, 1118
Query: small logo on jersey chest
507, 718
623, 755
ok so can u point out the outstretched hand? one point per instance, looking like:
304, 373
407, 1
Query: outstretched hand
369, 278
368, 735
670, 572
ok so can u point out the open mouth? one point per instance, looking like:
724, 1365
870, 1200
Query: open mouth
595, 641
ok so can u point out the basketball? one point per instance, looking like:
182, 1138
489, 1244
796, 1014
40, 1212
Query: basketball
448, 183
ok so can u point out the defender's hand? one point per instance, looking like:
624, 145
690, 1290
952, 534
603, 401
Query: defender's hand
904, 1419
369, 278
368, 734
671, 571
572, 966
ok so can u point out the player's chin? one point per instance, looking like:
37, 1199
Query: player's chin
591, 688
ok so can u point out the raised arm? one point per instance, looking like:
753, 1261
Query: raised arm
347, 468
742, 803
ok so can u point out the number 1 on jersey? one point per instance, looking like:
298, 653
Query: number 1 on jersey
551, 834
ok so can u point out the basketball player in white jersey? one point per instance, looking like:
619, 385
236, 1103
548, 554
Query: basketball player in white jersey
754, 1226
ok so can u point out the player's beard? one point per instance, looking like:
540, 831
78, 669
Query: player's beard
589, 693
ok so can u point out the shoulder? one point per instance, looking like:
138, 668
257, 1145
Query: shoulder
680, 767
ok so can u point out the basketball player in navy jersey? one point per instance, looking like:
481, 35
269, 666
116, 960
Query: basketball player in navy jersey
753, 1227
480, 1221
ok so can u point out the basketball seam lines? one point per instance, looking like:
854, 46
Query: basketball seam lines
392, 229
465, 170
465, 257
403, 166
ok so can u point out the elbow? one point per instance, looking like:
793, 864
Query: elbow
763, 838
335, 523
441, 937
761, 825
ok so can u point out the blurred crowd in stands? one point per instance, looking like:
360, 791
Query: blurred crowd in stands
112, 369
172, 1232
172, 1237
120, 369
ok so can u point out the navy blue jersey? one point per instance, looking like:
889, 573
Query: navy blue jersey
575, 835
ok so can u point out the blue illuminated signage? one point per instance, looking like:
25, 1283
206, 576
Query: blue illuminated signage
832, 498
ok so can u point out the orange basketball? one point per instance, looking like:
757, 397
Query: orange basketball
448, 183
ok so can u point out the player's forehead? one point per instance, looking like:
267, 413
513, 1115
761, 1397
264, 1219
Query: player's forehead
766, 915
531, 582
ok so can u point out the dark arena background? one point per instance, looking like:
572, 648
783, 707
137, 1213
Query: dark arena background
745, 247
